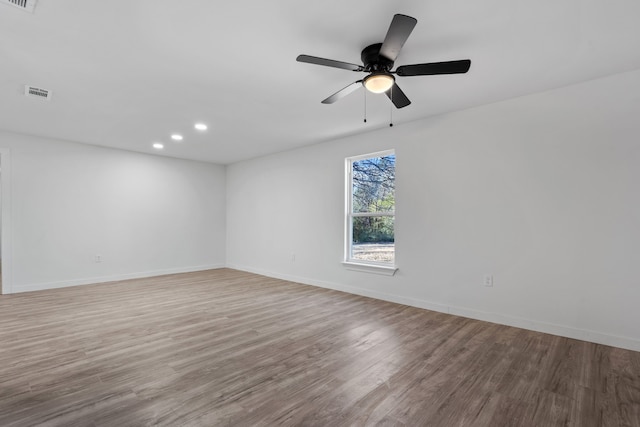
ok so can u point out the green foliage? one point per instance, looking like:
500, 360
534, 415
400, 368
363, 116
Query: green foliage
370, 229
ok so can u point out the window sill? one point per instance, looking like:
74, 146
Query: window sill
371, 268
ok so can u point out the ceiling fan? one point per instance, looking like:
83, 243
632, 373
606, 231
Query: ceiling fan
378, 60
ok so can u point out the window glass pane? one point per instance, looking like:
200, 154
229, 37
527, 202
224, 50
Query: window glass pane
373, 239
373, 184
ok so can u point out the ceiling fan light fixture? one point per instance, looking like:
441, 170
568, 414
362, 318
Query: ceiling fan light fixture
378, 82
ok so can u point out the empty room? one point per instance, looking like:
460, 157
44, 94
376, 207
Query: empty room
408, 213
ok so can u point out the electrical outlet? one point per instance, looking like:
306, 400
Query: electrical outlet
488, 280
98, 258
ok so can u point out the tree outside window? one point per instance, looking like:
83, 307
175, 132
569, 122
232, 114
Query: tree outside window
371, 208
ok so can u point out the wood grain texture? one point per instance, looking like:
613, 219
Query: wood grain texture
224, 347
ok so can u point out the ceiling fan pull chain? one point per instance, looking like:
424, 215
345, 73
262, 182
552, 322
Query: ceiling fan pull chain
365, 106
391, 109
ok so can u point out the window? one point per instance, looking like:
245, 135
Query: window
370, 209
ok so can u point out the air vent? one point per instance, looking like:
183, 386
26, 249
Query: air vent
37, 92
28, 5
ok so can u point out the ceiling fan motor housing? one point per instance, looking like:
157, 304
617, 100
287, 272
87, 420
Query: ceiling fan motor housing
373, 61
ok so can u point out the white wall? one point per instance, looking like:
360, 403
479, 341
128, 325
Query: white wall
144, 215
0, 210
540, 191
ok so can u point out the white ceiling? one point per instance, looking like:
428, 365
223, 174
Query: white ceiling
125, 74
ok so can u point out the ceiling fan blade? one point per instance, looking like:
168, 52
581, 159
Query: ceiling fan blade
397, 96
399, 30
343, 92
329, 63
448, 67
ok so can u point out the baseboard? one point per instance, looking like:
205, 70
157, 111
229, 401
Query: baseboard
111, 278
529, 324
344, 288
549, 328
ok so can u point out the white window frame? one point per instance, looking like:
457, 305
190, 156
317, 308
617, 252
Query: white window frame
349, 262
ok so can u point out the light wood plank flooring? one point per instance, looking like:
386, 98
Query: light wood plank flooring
223, 347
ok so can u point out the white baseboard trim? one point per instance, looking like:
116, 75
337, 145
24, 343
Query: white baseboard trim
112, 278
532, 325
549, 328
344, 288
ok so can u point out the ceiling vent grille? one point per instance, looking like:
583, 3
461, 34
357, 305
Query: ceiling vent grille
28, 5
37, 92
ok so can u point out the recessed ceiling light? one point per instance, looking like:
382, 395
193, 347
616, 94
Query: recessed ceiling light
200, 126
176, 137
158, 146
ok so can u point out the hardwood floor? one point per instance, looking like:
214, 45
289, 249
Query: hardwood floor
223, 347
